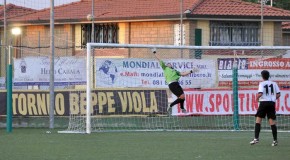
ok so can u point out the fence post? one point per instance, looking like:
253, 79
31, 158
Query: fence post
9, 92
235, 87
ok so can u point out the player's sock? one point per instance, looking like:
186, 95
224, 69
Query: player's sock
274, 131
182, 103
175, 102
257, 130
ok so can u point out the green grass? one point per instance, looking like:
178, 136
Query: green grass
36, 144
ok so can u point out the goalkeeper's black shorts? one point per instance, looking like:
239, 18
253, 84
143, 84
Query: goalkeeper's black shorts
176, 89
266, 108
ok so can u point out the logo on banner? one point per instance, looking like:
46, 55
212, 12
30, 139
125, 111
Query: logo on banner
23, 66
109, 71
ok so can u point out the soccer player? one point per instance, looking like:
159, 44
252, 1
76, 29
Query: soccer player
268, 93
171, 77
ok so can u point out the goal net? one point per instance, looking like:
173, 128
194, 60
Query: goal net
126, 88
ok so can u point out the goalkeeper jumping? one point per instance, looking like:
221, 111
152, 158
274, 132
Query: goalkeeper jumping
171, 77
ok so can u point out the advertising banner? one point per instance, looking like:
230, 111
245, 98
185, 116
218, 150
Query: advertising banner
36, 71
2, 82
220, 102
104, 102
147, 73
249, 71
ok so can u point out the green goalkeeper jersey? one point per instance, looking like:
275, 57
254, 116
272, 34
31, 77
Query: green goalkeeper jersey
171, 75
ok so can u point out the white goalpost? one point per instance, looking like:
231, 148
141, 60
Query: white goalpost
129, 93
88, 89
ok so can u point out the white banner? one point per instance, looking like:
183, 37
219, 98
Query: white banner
148, 73
36, 70
249, 71
219, 102
2, 82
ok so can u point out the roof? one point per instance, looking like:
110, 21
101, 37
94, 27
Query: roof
286, 25
13, 11
117, 10
112, 9
237, 8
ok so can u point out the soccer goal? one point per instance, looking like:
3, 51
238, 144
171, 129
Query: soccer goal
126, 88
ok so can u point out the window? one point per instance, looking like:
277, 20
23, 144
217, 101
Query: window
234, 34
104, 33
286, 39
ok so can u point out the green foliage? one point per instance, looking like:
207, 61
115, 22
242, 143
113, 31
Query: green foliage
253, 1
284, 4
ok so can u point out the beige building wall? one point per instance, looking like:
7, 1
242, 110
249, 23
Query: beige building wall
36, 40
268, 34
152, 32
204, 25
123, 33
190, 31
64, 40
161, 32
78, 37
34, 37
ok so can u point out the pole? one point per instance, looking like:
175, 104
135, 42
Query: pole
181, 27
66, 44
93, 40
93, 25
88, 89
5, 37
51, 87
235, 87
262, 22
39, 43
9, 92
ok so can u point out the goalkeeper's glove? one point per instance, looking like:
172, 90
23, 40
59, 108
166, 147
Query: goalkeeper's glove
194, 70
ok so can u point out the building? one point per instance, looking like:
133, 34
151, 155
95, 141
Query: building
205, 22
12, 11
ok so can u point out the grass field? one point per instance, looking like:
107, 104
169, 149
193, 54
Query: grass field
36, 144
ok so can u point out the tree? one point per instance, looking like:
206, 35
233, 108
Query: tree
284, 4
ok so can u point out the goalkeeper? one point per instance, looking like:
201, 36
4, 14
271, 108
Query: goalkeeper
172, 76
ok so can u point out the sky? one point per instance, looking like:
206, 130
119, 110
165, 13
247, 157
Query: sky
37, 4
